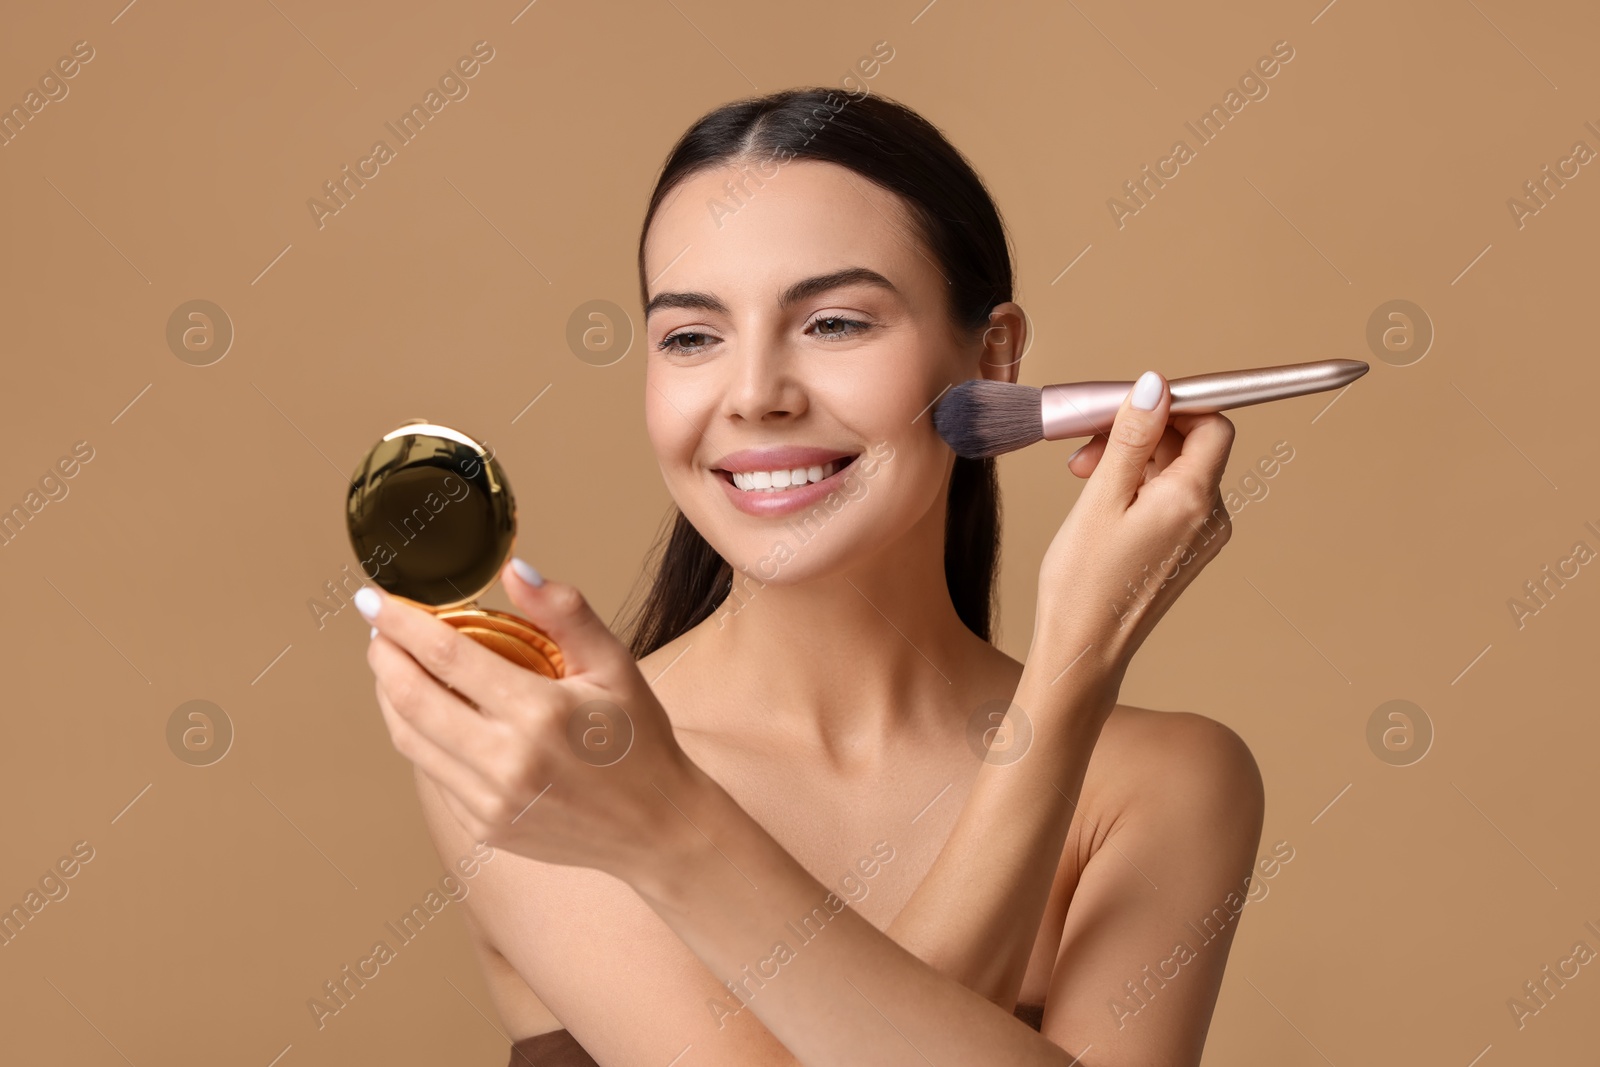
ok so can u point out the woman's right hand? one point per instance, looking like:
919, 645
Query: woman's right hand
1150, 517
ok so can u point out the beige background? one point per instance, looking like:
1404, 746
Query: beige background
1377, 567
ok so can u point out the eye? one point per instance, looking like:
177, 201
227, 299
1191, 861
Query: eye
832, 327
670, 343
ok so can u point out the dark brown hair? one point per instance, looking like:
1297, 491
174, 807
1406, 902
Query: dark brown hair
891, 145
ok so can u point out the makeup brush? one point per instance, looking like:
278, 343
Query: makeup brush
981, 418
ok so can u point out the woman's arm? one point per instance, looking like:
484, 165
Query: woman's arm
1127, 995
845, 993
835, 990
1151, 500
975, 915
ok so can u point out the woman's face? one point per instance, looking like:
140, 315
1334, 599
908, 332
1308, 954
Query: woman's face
797, 335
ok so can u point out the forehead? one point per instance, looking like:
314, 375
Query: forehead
764, 230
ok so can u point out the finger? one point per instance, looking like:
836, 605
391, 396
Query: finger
1167, 449
1130, 443
463, 786
1207, 440
431, 710
562, 612
1083, 462
489, 680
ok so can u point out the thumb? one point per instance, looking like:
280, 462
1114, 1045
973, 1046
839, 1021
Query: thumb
1132, 440
587, 645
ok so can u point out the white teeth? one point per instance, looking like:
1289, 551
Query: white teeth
775, 481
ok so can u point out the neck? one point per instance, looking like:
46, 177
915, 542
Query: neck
851, 660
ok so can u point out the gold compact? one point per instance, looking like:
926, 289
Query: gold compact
432, 520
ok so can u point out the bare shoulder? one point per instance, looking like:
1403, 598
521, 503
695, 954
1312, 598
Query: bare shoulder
1167, 756
1178, 797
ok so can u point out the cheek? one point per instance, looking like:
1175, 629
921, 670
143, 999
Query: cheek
908, 482
672, 434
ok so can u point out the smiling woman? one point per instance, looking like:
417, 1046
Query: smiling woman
791, 357
890, 216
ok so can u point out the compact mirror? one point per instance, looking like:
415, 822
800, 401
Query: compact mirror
432, 519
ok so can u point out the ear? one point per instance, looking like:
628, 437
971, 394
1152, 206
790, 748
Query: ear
1004, 342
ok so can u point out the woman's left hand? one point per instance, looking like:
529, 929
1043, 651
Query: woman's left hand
583, 770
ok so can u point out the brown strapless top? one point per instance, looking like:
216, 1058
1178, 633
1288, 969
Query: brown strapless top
559, 1048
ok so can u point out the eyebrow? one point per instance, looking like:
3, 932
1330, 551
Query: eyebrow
800, 290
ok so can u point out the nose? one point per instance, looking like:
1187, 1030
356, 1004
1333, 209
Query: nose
762, 384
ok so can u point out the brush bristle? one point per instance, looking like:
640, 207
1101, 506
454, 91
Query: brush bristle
981, 418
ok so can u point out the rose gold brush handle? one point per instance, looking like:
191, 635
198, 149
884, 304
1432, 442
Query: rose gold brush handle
1083, 409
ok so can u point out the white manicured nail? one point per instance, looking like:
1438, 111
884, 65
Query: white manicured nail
526, 572
373, 634
367, 601
1147, 391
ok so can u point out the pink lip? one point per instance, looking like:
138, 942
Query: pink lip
769, 504
787, 457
